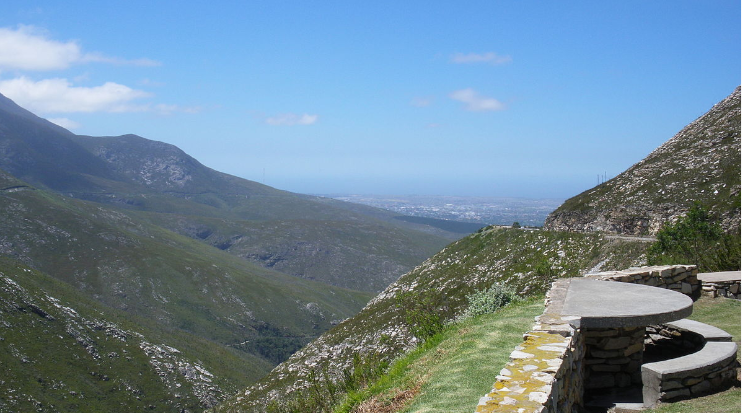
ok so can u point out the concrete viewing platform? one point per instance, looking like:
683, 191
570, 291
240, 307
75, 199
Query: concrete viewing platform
601, 304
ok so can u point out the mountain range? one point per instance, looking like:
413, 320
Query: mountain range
146, 232
132, 277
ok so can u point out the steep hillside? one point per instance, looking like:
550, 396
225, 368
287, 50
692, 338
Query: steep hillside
155, 274
701, 163
527, 260
66, 353
330, 241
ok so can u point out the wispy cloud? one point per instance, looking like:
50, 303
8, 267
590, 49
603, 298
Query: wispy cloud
476, 103
29, 48
166, 110
65, 123
290, 119
60, 96
422, 101
490, 58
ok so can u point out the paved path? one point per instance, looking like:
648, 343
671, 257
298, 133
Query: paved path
603, 304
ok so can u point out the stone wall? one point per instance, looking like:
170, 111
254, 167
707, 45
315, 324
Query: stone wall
680, 278
545, 373
728, 289
613, 357
548, 370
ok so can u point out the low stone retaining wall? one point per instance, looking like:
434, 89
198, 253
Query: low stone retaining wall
680, 278
545, 373
548, 371
728, 289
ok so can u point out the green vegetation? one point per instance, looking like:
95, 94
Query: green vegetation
68, 353
696, 239
490, 300
453, 369
424, 313
436, 292
329, 394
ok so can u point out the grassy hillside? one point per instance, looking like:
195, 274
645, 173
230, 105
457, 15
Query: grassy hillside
156, 274
455, 369
61, 351
526, 260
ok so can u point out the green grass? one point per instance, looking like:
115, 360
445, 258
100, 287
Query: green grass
452, 370
725, 314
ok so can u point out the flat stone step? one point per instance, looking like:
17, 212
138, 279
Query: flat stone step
710, 333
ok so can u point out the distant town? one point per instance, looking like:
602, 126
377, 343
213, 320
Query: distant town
483, 210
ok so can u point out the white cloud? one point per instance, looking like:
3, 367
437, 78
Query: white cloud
489, 58
166, 110
65, 123
289, 119
60, 96
99, 58
422, 102
475, 102
29, 48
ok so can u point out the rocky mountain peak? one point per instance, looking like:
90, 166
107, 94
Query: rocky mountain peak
700, 163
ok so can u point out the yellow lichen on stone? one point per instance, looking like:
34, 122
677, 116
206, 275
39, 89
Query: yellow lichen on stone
529, 382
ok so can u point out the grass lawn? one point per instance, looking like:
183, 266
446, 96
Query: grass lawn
455, 368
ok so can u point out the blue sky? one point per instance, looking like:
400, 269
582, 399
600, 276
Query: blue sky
481, 98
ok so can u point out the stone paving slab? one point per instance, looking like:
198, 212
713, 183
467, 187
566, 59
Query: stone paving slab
603, 304
713, 277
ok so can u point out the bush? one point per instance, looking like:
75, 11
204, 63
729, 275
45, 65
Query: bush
424, 314
490, 300
696, 239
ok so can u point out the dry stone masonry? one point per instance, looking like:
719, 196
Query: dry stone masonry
721, 284
681, 278
560, 359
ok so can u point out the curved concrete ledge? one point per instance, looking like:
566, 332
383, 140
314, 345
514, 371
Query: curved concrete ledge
601, 304
710, 333
712, 354
710, 369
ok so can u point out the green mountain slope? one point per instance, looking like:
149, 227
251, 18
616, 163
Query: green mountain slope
527, 260
310, 237
700, 163
156, 274
60, 351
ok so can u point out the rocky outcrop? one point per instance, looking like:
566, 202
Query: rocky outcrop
700, 163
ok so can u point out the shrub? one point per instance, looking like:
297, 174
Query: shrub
490, 300
696, 239
424, 314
